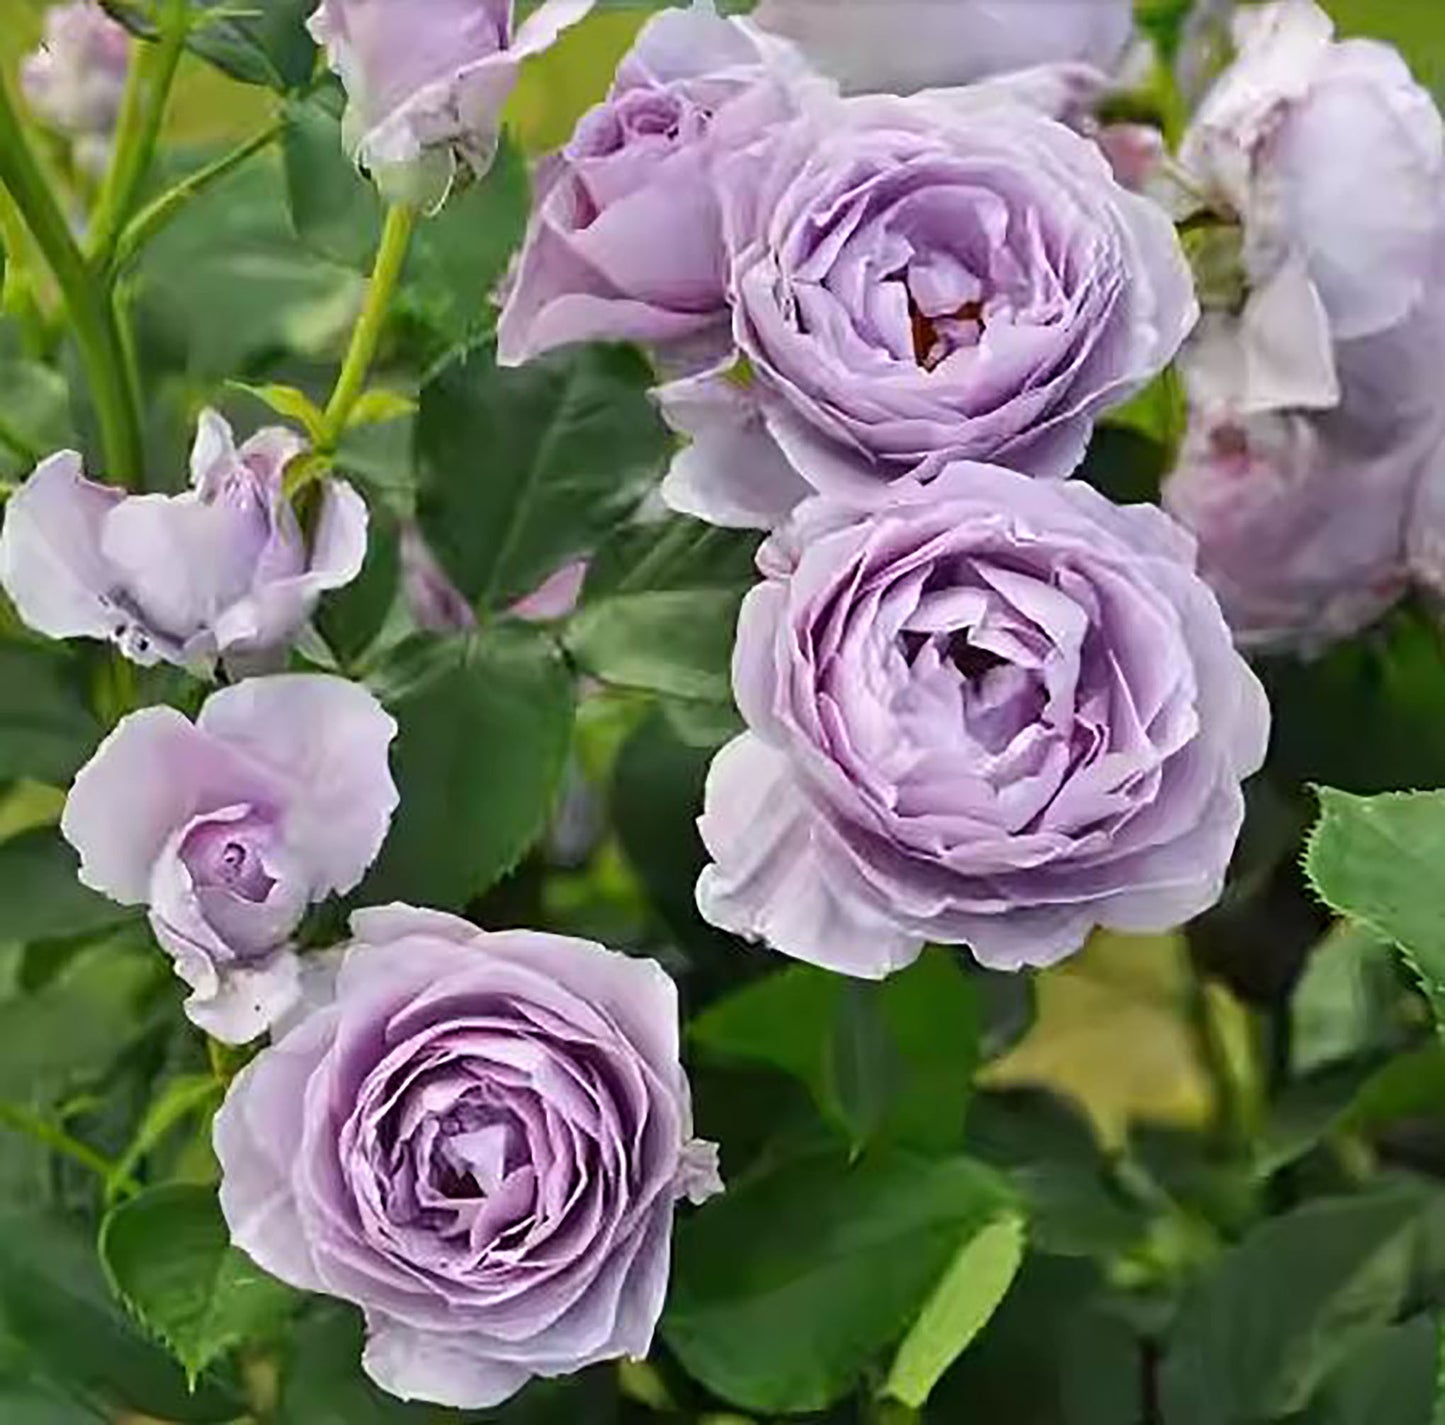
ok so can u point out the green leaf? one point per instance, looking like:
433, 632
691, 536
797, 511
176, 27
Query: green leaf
72, 1028
675, 553
42, 897
352, 618
1053, 1354
322, 1382
784, 1020
47, 730
286, 401
1283, 1309
1390, 1376
36, 418
176, 1101
654, 797
896, 1065
1054, 1163
335, 211
1390, 680
1126, 465
934, 1016
486, 722
226, 286
675, 643
520, 471
168, 1253
378, 406
460, 254
56, 1309
958, 1310
264, 44
854, 1251
258, 44
1376, 860
863, 1065
1348, 1001
37, 1403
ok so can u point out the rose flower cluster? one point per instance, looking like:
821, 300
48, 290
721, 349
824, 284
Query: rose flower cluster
890, 267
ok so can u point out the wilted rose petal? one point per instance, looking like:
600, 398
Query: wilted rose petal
229, 828
220, 571
997, 712
480, 1139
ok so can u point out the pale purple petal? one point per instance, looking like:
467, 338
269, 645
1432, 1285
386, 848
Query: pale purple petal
440, 1367
768, 880
731, 472
695, 87
50, 558
918, 281
149, 778
995, 711
325, 740
485, 1138
905, 45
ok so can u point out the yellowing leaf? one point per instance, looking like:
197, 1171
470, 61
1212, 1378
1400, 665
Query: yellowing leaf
1112, 1033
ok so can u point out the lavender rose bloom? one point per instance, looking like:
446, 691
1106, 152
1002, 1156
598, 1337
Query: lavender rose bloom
915, 282
480, 1140
220, 571
899, 46
229, 828
625, 241
1332, 159
999, 712
76, 80
426, 83
1311, 524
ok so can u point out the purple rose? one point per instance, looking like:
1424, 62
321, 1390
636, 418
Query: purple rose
230, 828
1312, 523
76, 80
426, 83
899, 46
480, 1140
625, 241
220, 571
999, 712
915, 282
1332, 160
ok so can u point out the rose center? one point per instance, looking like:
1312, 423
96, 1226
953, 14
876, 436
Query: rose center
936, 338
222, 857
972, 662
476, 1151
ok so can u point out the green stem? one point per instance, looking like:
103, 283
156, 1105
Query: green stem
21, 1120
390, 259
102, 351
158, 215
148, 90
